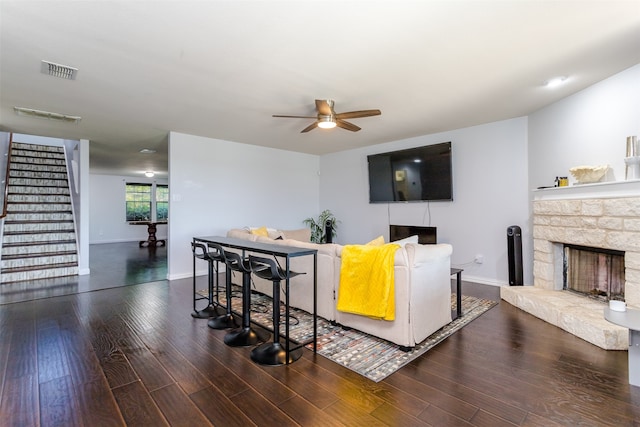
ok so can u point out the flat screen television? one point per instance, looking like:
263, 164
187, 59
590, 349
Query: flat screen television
411, 175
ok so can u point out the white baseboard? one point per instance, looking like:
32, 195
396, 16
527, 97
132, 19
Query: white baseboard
482, 280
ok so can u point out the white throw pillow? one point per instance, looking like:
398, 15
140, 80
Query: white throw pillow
410, 239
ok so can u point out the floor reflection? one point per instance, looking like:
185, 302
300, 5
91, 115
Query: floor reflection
111, 265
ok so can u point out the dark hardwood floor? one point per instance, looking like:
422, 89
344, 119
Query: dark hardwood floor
132, 355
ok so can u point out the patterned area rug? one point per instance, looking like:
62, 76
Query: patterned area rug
369, 356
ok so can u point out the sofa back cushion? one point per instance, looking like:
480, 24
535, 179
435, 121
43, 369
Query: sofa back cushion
238, 233
302, 234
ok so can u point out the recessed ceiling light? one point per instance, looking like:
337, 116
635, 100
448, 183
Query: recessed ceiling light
30, 112
555, 82
149, 174
147, 151
59, 70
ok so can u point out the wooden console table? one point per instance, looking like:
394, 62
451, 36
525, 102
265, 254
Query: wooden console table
152, 227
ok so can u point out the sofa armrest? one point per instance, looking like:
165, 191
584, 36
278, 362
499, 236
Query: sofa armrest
430, 267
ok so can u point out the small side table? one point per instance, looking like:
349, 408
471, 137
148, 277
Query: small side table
458, 274
629, 319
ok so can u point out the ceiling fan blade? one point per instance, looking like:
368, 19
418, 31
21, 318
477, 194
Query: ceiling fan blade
346, 125
356, 114
312, 126
324, 107
295, 117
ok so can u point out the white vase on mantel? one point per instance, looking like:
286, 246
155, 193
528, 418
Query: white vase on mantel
633, 167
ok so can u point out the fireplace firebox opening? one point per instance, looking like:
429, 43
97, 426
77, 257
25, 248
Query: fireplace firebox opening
595, 272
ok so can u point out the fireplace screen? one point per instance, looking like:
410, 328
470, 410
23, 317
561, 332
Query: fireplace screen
595, 272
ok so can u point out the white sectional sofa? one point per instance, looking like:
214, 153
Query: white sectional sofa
422, 286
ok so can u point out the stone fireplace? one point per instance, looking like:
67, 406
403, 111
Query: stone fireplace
603, 216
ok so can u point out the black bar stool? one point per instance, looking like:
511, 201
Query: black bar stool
244, 335
225, 320
272, 353
213, 258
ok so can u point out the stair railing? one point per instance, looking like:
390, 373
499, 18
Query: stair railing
5, 144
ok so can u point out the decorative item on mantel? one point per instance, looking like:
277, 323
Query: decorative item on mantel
588, 174
632, 161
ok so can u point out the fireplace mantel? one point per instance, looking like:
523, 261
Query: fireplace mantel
598, 190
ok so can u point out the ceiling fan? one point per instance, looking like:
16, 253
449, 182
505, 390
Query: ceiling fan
327, 118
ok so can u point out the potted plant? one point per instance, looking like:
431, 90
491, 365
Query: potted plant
318, 226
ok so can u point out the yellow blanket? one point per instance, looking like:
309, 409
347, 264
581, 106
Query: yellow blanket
366, 281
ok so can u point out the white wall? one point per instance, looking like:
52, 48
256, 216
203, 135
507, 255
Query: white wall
490, 194
215, 185
588, 128
108, 213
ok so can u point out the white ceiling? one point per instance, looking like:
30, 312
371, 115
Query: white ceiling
220, 69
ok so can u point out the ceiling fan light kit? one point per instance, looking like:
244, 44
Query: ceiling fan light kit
327, 118
326, 122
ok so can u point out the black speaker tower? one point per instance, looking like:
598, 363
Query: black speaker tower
328, 232
514, 251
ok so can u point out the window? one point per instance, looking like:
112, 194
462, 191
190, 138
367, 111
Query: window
138, 202
162, 202
147, 202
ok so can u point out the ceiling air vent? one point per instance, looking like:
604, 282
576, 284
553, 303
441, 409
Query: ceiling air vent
30, 112
59, 70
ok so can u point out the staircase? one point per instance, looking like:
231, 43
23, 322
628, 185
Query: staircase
39, 238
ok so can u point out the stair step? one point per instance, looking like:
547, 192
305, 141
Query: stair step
35, 154
38, 182
27, 173
10, 270
35, 249
37, 161
17, 189
38, 217
6, 245
37, 261
38, 273
24, 238
36, 147
32, 209
39, 227
6, 257
38, 168
37, 150
26, 199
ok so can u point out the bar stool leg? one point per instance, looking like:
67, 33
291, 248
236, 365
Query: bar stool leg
272, 353
245, 336
212, 310
225, 320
